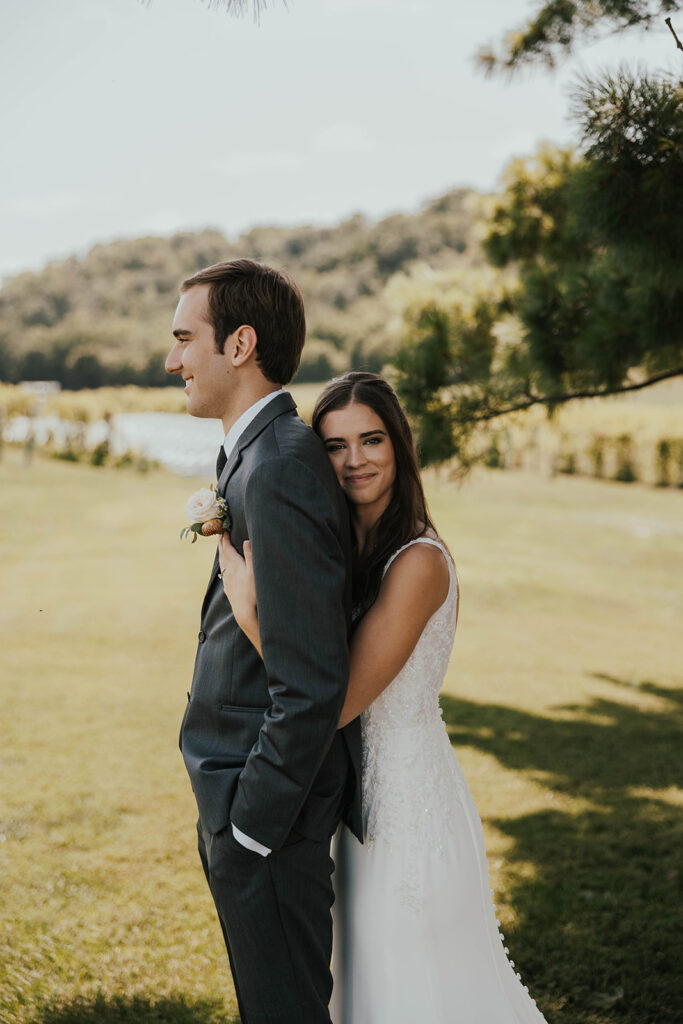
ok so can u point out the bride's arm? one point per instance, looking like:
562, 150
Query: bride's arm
415, 585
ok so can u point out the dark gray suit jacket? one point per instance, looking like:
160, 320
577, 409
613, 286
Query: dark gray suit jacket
259, 736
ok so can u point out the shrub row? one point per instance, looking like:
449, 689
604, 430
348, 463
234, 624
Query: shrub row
619, 458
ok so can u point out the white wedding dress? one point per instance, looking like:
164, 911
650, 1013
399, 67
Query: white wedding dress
416, 939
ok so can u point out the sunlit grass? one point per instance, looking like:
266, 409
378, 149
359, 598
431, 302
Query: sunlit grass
561, 700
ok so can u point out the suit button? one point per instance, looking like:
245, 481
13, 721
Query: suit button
202, 636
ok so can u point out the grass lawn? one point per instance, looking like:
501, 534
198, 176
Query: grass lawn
563, 699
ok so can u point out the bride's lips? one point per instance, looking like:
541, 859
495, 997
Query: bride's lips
360, 479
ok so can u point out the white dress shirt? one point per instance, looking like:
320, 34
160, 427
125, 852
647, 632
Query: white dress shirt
231, 439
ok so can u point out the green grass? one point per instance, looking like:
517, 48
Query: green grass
563, 699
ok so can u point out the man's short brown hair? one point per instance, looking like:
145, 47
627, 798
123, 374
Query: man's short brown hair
245, 292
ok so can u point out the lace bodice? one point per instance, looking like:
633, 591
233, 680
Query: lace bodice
411, 698
410, 773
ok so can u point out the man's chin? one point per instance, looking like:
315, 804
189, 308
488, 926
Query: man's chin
200, 412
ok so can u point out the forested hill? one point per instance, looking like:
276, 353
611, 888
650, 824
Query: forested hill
104, 318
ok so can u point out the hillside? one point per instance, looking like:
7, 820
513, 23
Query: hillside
104, 318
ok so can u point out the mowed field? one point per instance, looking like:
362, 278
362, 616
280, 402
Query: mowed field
563, 699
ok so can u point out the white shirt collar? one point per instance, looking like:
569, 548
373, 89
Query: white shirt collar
243, 421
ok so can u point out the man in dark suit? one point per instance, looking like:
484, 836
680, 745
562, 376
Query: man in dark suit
271, 773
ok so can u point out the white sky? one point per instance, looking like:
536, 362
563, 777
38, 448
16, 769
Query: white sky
125, 118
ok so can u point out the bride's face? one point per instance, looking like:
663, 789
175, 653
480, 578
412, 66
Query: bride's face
362, 454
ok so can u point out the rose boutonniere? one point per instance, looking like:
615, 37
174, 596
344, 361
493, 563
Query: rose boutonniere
208, 513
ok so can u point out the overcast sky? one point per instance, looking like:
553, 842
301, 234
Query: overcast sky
122, 118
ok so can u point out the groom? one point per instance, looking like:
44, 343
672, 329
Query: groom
271, 773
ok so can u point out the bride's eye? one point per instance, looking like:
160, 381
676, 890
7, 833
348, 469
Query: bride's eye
334, 447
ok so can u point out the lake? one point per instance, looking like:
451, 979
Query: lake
183, 444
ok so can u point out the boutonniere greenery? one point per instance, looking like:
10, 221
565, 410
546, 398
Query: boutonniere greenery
208, 513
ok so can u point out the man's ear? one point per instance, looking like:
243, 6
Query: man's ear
242, 345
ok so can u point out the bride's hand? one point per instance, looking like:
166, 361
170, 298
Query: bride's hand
237, 576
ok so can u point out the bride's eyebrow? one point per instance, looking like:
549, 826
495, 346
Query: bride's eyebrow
367, 433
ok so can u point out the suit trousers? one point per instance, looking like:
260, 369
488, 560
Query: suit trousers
277, 925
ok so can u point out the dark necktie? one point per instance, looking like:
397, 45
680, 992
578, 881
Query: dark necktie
220, 462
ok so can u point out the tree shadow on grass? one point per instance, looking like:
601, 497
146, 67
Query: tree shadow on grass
134, 1010
598, 935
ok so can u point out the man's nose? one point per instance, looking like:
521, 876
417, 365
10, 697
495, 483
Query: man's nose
173, 362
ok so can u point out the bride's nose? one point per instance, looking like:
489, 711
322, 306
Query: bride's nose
355, 455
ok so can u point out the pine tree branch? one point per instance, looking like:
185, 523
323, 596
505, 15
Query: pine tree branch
553, 400
679, 44
237, 8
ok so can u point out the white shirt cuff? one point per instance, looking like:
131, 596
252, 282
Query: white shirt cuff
251, 844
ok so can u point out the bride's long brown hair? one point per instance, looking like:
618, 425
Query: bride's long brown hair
406, 516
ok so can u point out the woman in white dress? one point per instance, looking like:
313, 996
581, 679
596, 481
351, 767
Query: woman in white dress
416, 937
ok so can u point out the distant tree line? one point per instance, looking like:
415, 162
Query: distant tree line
82, 369
104, 318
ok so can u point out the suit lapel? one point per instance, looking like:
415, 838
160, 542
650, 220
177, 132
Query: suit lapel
276, 407
228, 469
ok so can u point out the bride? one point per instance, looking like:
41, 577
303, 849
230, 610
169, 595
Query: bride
416, 936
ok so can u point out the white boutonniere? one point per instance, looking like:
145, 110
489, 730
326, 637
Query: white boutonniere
208, 513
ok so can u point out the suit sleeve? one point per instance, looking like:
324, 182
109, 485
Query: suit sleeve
300, 574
